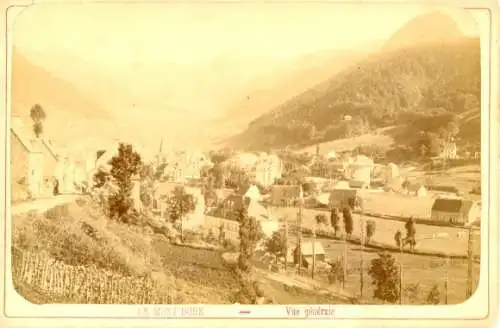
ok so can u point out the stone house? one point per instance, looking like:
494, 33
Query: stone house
33, 163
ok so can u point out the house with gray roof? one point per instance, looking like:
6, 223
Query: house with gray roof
456, 211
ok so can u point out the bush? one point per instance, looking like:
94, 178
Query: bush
277, 244
211, 238
434, 296
336, 273
230, 245
385, 277
321, 219
413, 292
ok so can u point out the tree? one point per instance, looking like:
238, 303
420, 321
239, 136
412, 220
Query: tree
335, 220
385, 277
147, 171
398, 238
123, 167
370, 230
411, 232
38, 116
218, 174
250, 233
348, 222
277, 245
180, 203
238, 179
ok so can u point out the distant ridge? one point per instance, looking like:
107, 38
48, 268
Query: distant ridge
71, 115
429, 28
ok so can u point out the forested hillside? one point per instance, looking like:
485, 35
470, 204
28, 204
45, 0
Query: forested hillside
422, 88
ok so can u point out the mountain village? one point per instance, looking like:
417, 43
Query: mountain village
318, 220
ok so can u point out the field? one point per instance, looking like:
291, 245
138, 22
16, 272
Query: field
378, 138
383, 203
448, 241
423, 270
464, 178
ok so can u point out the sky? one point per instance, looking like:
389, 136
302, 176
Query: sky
118, 34
193, 59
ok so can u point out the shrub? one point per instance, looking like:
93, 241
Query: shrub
211, 238
321, 219
434, 296
336, 272
230, 245
413, 292
385, 277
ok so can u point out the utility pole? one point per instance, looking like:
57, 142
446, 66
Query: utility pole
401, 276
345, 261
361, 273
299, 226
313, 249
469, 264
446, 286
299, 238
286, 243
400, 282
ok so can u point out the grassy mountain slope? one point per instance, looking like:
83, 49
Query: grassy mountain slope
70, 113
286, 82
411, 86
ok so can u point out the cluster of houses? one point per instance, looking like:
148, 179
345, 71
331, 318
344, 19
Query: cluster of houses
38, 169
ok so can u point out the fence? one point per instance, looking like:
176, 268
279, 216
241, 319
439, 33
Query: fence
84, 284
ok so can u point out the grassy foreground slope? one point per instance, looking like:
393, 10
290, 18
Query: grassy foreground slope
80, 236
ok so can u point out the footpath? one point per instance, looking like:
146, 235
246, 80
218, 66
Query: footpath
42, 205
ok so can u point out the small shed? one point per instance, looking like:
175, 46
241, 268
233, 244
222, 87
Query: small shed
455, 211
307, 253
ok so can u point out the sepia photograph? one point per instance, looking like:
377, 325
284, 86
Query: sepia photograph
246, 154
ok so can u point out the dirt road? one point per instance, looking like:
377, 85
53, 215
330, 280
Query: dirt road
42, 205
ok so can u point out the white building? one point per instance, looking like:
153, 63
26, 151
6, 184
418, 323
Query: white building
449, 150
267, 169
391, 172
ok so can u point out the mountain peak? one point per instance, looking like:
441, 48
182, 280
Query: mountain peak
429, 28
